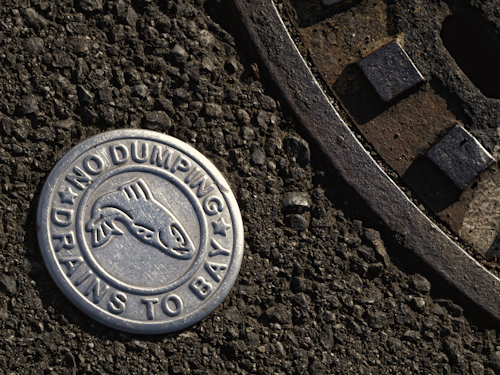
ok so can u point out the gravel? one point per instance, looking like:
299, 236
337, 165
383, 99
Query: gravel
317, 294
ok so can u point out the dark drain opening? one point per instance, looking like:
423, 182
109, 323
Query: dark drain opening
474, 51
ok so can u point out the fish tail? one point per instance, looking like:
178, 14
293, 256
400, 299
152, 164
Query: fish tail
102, 230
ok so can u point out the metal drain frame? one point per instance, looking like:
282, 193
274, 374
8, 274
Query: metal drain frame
359, 170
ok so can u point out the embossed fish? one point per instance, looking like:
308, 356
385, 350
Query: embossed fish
147, 219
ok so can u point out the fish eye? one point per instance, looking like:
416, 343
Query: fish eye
178, 237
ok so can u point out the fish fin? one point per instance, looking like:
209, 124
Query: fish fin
110, 223
102, 230
137, 190
99, 236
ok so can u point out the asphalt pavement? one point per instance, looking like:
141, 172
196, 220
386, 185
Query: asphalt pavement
326, 286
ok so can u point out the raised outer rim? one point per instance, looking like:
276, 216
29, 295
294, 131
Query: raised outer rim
358, 169
88, 307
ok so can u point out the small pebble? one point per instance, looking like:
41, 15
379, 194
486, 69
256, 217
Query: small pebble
248, 134
28, 105
140, 90
179, 54
495, 362
421, 284
213, 110
243, 117
298, 222
258, 157
298, 148
476, 368
296, 203
157, 120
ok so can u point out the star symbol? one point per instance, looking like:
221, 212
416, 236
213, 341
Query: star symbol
220, 227
68, 196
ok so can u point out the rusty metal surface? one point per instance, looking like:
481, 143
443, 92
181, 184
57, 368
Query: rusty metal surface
340, 146
450, 43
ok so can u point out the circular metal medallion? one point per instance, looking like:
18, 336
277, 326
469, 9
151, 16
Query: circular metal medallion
140, 231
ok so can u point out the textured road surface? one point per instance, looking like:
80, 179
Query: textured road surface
317, 293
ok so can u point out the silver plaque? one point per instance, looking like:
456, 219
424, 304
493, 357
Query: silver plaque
140, 231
